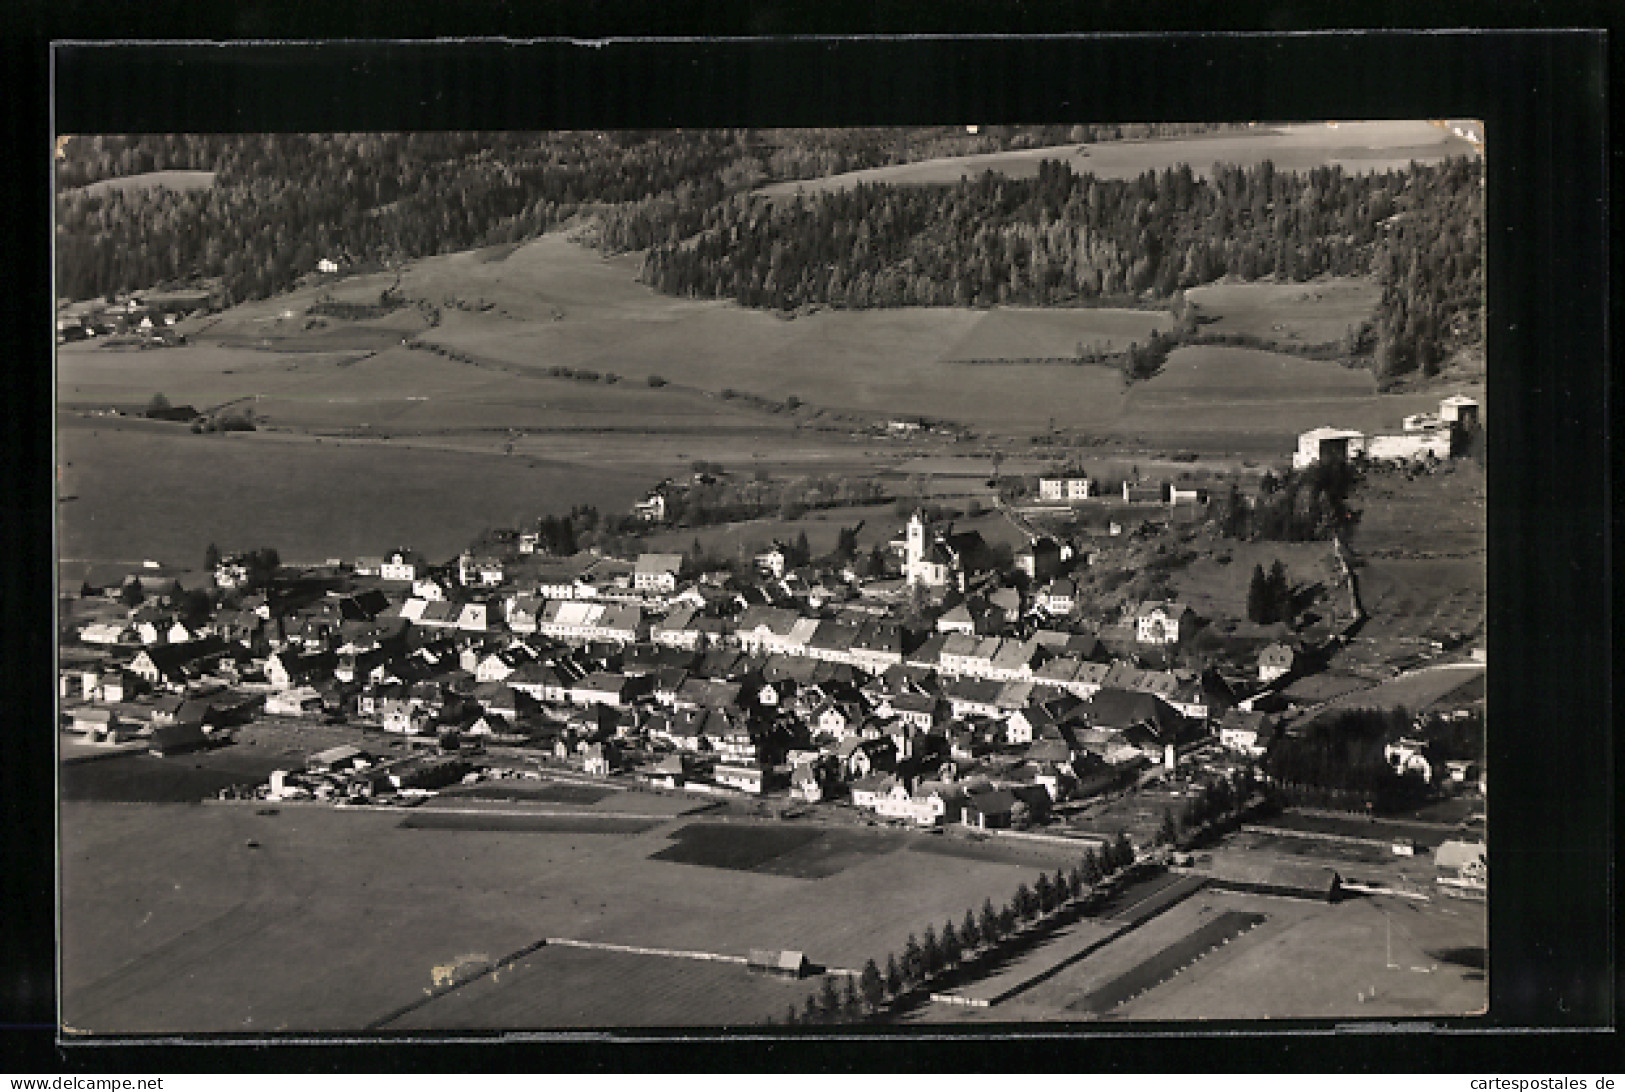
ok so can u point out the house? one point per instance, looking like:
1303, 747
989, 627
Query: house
1409, 756
1462, 865
94, 723
1162, 623
402, 565
651, 508
1041, 558
1459, 410
1005, 604
344, 757
480, 571
1063, 489
297, 701
985, 806
1246, 733
773, 561
744, 778
868, 790
1124, 710
921, 711
602, 688
972, 617
657, 572
598, 760
1058, 598
1327, 444
805, 784
973, 698
327, 266
1275, 661
786, 964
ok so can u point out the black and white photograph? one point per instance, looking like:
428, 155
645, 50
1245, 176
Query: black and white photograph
751, 578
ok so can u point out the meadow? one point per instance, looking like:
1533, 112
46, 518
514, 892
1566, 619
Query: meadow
148, 492
1317, 312
179, 181
1356, 146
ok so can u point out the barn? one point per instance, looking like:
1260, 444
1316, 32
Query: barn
787, 964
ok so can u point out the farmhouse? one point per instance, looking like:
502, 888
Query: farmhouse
1327, 444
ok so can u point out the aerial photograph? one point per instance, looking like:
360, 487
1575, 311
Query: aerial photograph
936, 577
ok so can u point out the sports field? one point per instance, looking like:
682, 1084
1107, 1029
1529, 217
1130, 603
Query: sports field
333, 918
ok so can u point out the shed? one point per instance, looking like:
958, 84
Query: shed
787, 963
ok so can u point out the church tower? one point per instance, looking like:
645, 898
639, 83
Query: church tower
914, 553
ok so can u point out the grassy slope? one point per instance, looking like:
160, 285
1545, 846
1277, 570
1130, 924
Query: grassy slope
181, 181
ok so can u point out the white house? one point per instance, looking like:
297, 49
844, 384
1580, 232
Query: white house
327, 265
1327, 443
1063, 489
401, 565
1162, 623
657, 572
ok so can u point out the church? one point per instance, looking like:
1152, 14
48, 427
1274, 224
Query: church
939, 558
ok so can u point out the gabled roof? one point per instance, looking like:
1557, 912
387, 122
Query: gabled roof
1121, 709
656, 564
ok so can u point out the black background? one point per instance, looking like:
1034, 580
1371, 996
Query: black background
1542, 98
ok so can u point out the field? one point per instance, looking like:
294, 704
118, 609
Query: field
1316, 312
1216, 590
488, 821
335, 918
1357, 146
584, 988
1422, 598
1415, 690
168, 494
1157, 969
1015, 333
180, 181
803, 852
1227, 956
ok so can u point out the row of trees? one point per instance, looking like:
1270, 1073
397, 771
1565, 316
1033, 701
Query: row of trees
935, 952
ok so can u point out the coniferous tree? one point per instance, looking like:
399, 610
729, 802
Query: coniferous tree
872, 985
894, 976
969, 933
1258, 598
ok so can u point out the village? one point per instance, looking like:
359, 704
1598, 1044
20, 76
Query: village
938, 684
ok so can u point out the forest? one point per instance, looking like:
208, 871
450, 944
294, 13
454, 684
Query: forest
282, 201
1063, 238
